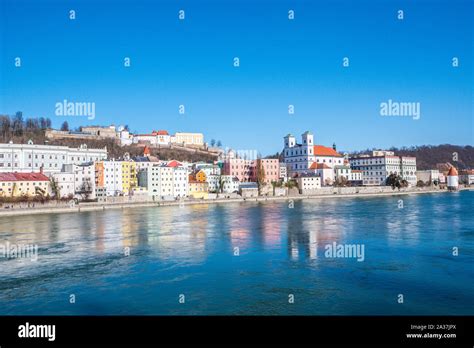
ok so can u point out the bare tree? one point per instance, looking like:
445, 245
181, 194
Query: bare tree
65, 126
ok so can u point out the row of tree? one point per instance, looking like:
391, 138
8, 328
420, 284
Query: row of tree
17, 126
217, 143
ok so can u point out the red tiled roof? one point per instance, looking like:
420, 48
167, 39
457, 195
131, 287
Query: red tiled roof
319, 166
160, 132
174, 163
23, 177
146, 151
320, 150
7, 177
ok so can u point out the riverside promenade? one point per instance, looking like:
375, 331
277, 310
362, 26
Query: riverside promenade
124, 203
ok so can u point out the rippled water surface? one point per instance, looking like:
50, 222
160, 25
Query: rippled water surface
190, 250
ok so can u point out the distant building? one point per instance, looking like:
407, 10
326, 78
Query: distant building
162, 137
89, 133
149, 139
189, 139
100, 131
124, 136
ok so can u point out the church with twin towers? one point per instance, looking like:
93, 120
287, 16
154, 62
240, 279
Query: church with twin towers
307, 156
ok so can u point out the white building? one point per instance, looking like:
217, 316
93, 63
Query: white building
230, 184
112, 177
308, 182
188, 139
164, 181
209, 169
453, 179
145, 138
77, 180
65, 184
428, 176
283, 172
162, 137
125, 138
342, 172
377, 167
324, 172
356, 177
466, 177
180, 182
300, 157
346, 173
29, 157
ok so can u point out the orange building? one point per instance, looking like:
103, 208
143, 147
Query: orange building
201, 176
99, 174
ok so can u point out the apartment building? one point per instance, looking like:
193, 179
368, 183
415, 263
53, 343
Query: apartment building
27, 158
377, 167
76, 181
24, 184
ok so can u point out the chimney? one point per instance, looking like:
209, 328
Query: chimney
334, 146
41, 170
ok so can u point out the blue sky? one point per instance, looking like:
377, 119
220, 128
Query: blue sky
283, 62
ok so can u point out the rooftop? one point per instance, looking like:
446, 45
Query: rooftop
23, 177
319, 166
320, 150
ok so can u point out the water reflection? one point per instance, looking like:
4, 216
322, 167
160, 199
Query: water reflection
191, 247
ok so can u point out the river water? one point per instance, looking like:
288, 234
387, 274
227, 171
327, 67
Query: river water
265, 258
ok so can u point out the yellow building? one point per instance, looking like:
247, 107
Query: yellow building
198, 189
129, 176
24, 184
190, 138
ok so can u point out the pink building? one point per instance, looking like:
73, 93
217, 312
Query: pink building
271, 167
246, 170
